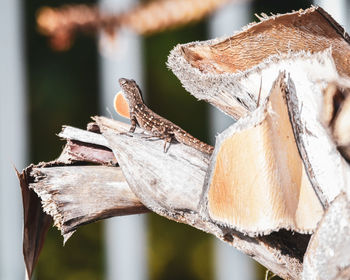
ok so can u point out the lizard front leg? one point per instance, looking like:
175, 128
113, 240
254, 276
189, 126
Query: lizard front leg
156, 136
167, 140
133, 125
132, 128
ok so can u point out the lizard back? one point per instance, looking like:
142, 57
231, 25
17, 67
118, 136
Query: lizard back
154, 123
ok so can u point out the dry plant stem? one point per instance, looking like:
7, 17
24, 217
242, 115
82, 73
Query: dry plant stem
322, 165
226, 72
77, 134
161, 15
104, 193
101, 200
85, 146
70, 196
175, 194
82, 146
77, 195
76, 151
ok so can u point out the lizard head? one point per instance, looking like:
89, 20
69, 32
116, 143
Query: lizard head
131, 91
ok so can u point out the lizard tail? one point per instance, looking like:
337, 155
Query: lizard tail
189, 140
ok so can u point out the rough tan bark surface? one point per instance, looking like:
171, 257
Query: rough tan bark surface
76, 195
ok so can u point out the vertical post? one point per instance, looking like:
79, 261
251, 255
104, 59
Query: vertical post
337, 9
229, 262
13, 138
125, 237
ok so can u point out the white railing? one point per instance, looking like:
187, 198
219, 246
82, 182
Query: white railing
125, 237
13, 138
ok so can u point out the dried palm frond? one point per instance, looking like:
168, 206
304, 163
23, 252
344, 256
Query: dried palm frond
61, 24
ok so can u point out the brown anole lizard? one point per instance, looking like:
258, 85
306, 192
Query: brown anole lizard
158, 126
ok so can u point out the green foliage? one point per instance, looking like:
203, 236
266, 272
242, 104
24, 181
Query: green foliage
63, 86
178, 251
80, 258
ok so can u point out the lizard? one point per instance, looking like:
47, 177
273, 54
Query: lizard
158, 126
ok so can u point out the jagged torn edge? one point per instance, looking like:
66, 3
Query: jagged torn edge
228, 86
49, 205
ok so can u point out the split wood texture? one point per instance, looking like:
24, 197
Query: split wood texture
277, 177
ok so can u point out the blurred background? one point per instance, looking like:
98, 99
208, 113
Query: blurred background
45, 84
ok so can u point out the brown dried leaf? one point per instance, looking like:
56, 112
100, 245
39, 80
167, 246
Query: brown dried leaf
36, 223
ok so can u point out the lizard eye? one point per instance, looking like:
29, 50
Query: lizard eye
122, 81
